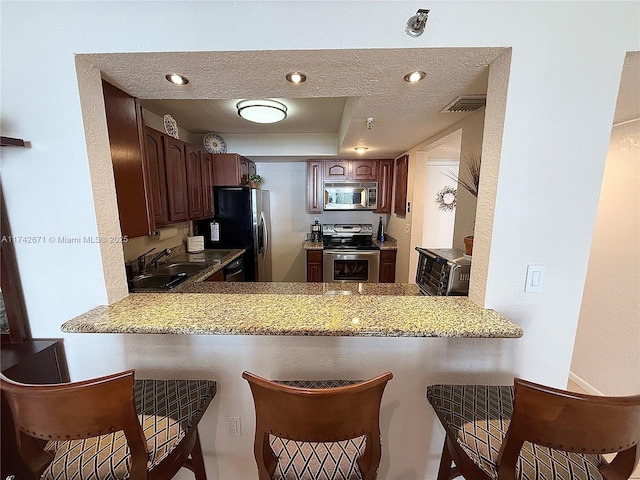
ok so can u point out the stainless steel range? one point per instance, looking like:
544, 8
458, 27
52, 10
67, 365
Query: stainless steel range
349, 254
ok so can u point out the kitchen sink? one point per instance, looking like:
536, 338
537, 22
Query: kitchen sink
215, 254
176, 268
156, 282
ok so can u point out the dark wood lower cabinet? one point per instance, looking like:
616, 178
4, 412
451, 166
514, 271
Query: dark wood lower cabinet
34, 361
314, 265
387, 266
216, 277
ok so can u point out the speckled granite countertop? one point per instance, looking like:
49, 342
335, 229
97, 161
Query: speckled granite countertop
203, 257
390, 243
312, 310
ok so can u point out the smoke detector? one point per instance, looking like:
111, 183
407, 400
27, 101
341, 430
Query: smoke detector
466, 103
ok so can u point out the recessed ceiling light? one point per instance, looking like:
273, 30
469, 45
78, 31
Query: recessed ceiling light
262, 111
296, 77
414, 77
361, 149
176, 79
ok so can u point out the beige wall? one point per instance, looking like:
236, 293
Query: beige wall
471, 128
606, 355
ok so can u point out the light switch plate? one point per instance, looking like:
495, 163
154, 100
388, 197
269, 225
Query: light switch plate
535, 278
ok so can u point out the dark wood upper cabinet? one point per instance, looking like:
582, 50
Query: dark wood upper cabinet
336, 170
370, 170
156, 175
401, 176
194, 183
231, 169
315, 200
385, 185
124, 125
364, 170
176, 168
206, 161
15, 323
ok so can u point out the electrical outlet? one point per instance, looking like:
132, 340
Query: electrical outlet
407, 230
234, 427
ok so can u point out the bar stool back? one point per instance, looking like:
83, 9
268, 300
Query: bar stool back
318, 433
530, 431
110, 427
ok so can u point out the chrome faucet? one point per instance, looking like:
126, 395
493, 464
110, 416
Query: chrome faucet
141, 262
154, 261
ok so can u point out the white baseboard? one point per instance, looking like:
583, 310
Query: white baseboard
586, 386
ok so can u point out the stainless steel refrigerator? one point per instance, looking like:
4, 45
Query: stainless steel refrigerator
243, 220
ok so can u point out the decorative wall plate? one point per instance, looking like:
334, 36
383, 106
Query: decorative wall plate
214, 143
171, 126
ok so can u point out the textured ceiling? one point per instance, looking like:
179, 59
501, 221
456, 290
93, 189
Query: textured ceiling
343, 89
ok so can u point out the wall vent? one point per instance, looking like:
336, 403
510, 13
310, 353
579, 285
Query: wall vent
466, 103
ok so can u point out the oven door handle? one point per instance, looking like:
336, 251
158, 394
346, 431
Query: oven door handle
337, 253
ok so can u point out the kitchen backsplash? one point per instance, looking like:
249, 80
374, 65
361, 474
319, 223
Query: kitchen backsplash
135, 247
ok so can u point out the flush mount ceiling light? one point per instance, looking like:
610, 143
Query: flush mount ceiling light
176, 79
262, 111
361, 149
414, 77
415, 25
296, 77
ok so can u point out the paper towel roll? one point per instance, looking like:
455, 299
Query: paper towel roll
195, 244
165, 233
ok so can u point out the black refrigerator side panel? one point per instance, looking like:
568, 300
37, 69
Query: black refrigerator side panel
233, 213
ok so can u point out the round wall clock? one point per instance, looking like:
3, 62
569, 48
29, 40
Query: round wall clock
214, 143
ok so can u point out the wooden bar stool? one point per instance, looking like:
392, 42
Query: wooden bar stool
533, 432
110, 427
317, 430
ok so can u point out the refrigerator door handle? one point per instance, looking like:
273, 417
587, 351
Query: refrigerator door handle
265, 239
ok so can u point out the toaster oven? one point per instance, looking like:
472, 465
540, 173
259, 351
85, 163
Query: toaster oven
443, 272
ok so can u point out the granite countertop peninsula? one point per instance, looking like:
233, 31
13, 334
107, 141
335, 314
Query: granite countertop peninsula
296, 309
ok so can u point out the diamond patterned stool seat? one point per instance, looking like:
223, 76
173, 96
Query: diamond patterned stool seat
317, 430
531, 432
112, 427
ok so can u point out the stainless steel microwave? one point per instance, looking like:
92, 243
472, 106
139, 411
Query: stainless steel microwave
350, 196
